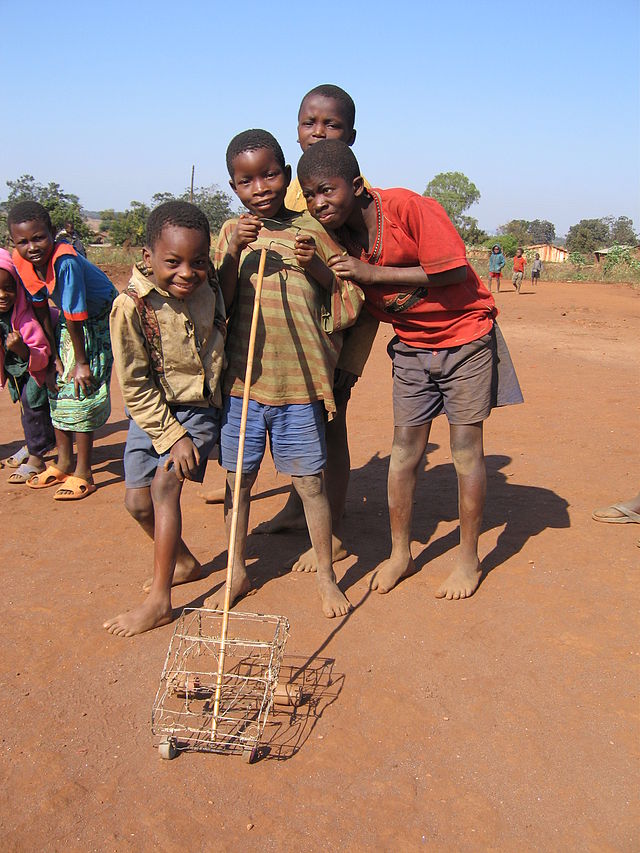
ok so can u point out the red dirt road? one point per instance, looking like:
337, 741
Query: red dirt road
505, 722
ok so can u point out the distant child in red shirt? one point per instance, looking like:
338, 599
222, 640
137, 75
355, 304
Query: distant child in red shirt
519, 263
411, 262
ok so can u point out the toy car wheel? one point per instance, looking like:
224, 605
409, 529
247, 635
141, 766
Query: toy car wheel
250, 754
167, 749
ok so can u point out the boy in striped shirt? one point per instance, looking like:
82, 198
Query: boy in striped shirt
295, 359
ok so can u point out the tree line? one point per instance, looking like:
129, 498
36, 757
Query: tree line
454, 190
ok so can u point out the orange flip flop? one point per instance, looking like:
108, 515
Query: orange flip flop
78, 487
51, 476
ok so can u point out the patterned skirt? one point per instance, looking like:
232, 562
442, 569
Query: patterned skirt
90, 411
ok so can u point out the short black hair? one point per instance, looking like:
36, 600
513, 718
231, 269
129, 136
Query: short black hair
29, 211
252, 140
178, 213
328, 90
328, 158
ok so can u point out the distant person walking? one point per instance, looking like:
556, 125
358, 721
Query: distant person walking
71, 236
519, 263
536, 269
496, 263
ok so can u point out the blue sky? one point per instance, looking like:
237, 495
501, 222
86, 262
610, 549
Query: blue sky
537, 103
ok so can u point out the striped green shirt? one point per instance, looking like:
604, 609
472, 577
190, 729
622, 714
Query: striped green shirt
294, 357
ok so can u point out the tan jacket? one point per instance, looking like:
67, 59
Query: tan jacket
190, 350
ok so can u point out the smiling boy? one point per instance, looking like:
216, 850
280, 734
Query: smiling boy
412, 265
168, 331
295, 358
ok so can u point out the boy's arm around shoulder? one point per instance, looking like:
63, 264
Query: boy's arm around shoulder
141, 394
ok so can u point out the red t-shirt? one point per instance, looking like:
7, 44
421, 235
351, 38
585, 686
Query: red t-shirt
416, 231
518, 263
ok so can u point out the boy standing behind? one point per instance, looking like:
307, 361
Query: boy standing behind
328, 112
292, 385
412, 265
168, 331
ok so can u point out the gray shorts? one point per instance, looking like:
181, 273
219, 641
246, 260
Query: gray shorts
457, 381
141, 460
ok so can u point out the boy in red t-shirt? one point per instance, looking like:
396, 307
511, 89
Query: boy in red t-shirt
412, 265
519, 263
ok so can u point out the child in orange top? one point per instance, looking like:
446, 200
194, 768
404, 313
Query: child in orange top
81, 344
519, 263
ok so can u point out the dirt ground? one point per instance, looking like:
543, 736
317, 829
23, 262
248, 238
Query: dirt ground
505, 722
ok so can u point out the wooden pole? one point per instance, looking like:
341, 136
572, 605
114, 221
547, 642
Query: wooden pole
193, 169
236, 490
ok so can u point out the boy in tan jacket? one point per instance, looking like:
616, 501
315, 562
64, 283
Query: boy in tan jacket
167, 331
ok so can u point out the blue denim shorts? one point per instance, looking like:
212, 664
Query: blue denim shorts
296, 437
141, 460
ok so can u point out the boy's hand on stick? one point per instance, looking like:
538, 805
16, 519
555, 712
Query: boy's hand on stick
82, 379
184, 458
346, 267
304, 250
245, 232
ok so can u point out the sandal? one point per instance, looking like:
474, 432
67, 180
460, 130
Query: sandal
51, 476
24, 474
78, 488
18, 458
623, 515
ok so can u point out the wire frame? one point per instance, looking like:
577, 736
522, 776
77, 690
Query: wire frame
183, 707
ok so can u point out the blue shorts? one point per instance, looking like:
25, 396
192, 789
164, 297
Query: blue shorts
296, 437
141, 460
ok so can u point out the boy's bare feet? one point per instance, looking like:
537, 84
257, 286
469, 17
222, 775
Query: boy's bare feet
462, 582
187, 569
240, 587
289, 518
308, 561
334, 602
391, 571
150, 614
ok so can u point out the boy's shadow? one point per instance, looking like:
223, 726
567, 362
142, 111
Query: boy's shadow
525, 511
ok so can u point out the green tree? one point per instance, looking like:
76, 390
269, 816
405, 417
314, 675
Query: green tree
530, 231
518, 229
621, 231
507, 243
470, 232
588, 235
214, 203
456, 193
63, 207
126, 227
542, 231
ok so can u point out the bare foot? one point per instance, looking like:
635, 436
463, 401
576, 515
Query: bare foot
215, 496
391, 572
461, 583
334, 603
150, 614
187, 569
240, 587
286, 519
308, 562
